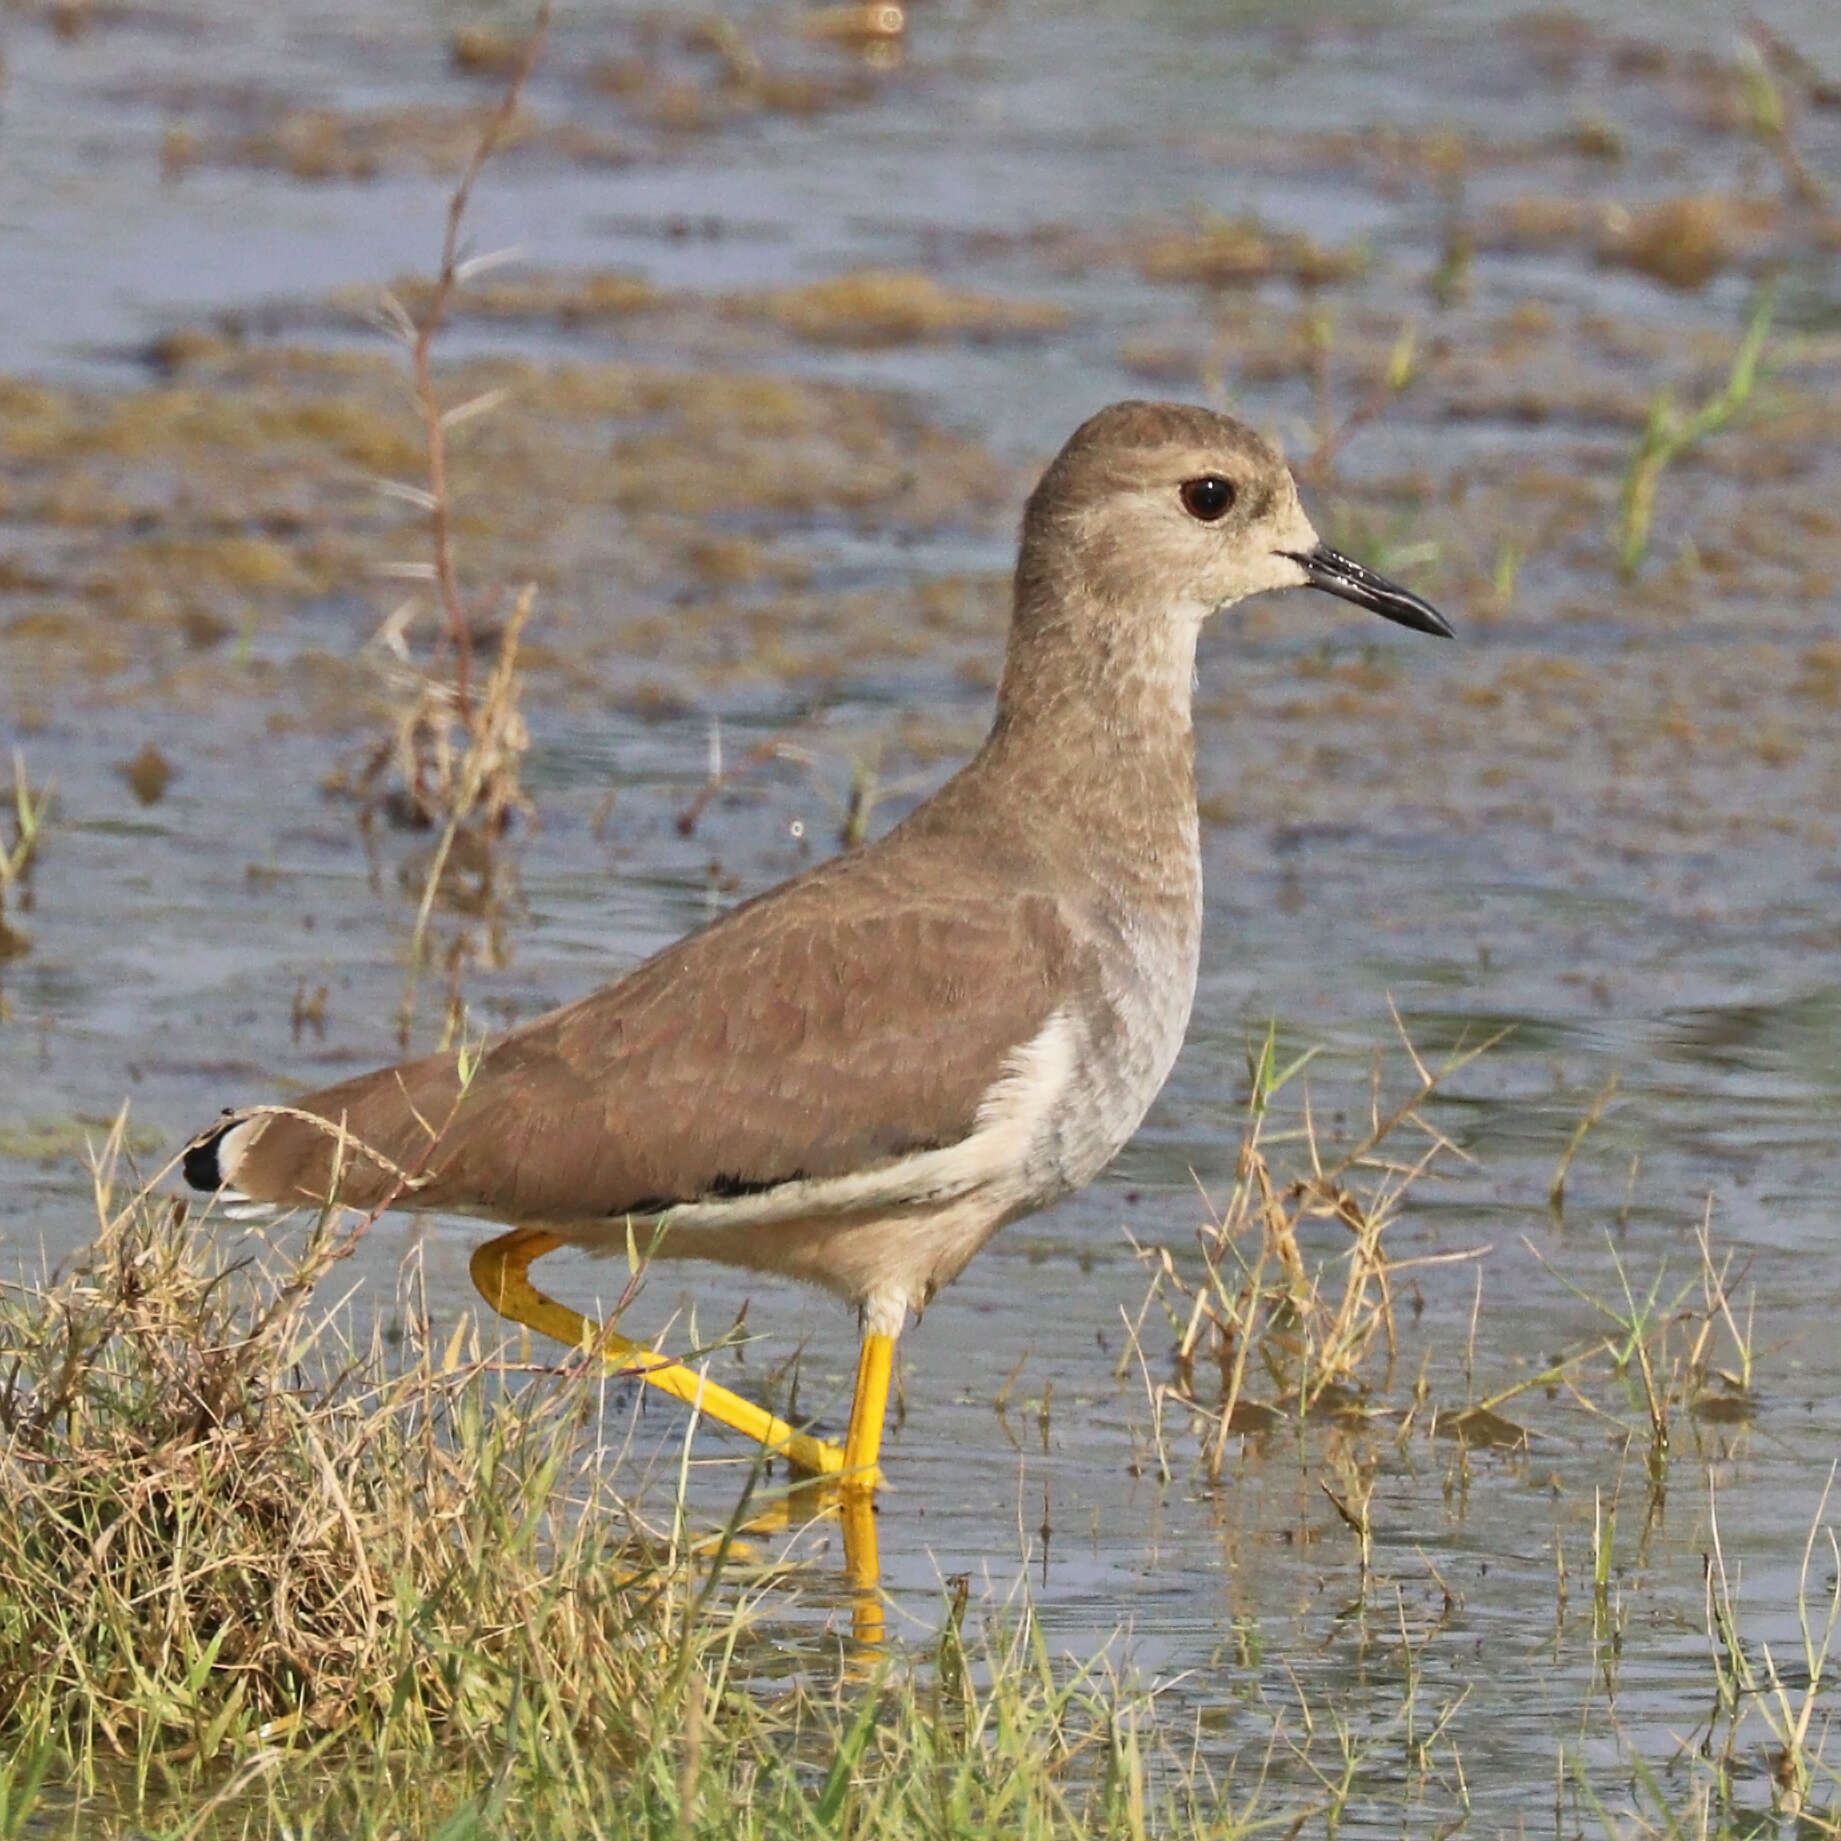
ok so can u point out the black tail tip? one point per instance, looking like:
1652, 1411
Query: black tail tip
200, 1162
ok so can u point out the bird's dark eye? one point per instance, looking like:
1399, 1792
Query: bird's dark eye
1208, 498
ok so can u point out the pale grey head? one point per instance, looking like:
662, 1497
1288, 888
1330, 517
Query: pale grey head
1178, 510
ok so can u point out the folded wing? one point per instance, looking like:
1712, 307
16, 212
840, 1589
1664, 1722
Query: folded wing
767, 1048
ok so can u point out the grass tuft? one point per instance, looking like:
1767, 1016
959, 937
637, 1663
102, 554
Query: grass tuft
225, 1524
1270, 1328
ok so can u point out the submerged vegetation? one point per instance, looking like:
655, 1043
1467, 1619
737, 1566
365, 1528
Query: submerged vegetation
1273, 1329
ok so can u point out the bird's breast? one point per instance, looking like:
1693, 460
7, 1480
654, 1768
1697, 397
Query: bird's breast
1126, 1037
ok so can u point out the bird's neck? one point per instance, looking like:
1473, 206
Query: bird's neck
1093, 742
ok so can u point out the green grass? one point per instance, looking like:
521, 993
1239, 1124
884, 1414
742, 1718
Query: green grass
1670, 433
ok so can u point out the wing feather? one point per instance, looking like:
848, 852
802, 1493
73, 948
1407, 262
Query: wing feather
840, 1021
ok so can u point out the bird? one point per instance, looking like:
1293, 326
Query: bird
858, 1076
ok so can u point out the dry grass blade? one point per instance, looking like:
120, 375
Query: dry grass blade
1284, 1331
451, 761
1556, 1192
1783, 1698
423, 750
434, 421
484, 790
29, 811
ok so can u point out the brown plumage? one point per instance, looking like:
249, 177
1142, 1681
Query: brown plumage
634, 1099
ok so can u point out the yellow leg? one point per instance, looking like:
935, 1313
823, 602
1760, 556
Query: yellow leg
501, 1272
863, 1446
857, 1485
862, 1563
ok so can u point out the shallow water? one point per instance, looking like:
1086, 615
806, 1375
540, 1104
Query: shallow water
1604, 822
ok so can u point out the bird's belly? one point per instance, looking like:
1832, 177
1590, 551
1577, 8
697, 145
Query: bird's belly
887, 1262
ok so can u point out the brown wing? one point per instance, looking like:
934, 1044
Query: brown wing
837, 1022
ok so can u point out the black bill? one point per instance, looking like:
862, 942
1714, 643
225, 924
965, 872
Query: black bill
1342, 575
